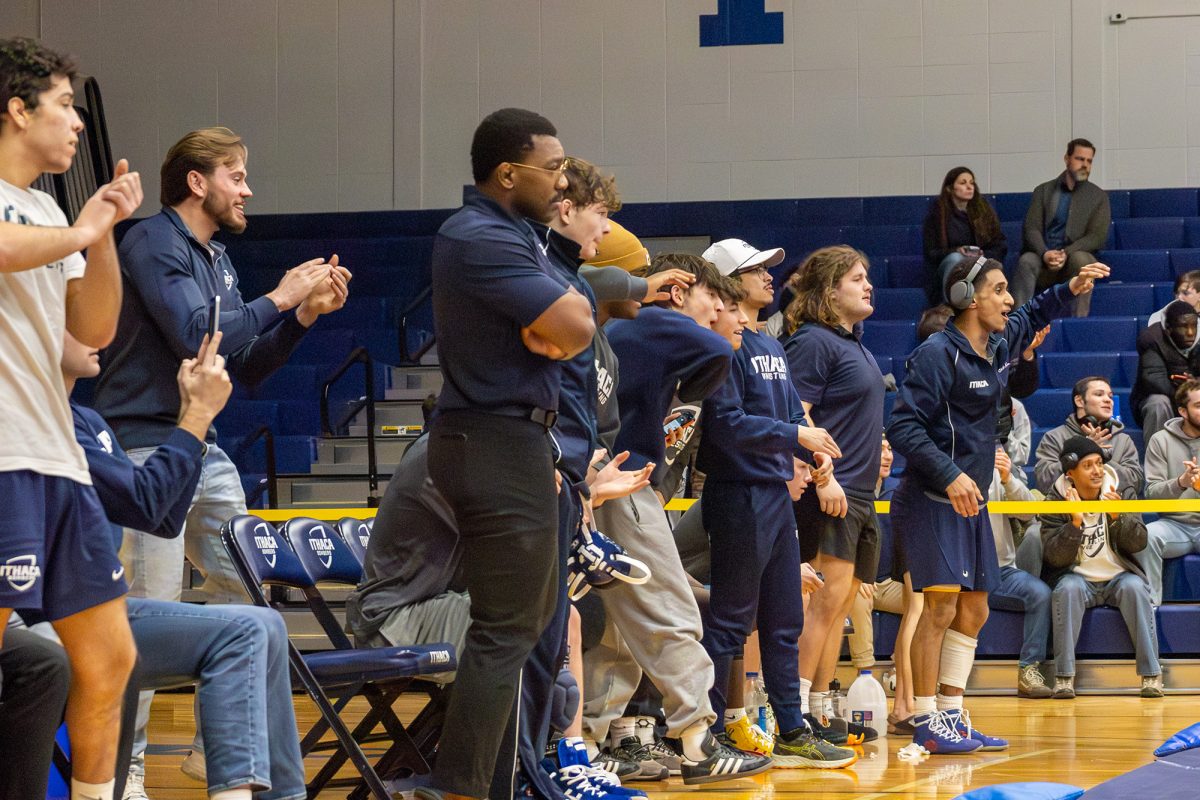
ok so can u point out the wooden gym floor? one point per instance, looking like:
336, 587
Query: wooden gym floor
1081, 742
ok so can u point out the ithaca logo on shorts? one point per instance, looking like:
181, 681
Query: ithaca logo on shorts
323, 547
22, 572
977, 385
266, 544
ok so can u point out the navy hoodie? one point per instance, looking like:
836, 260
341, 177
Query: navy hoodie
751, 422
944, 422
662, 353
154, 497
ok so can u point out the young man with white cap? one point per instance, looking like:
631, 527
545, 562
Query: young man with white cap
748, 264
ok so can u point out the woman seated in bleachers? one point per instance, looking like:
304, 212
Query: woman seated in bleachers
960, 220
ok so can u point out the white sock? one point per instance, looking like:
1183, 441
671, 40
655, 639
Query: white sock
816, 701
646, 729
92, 791
805, 688
732, 715
948, 702
620, 729
923, 706
827, 708
692, 740
242, 793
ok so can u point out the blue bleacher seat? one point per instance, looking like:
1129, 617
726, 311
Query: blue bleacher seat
1129, 367
1139, 266
1047, 408
1122, 299
1035, 439
1054, 342
292, 454
292, 382
1181, 579
365, 310
1013, 236
895, 210
830, 211
1178, 630
1118, 202
242, 416
885, 363
904, 272
890, 338
1011, 207
1062, 370
1192, 229
902, 304
1163, 203
1147, 234
1143, 320
1138, 436
1164, 292
324, 346
885, 240
382, 343
1104, 334
797, 241
1184, 259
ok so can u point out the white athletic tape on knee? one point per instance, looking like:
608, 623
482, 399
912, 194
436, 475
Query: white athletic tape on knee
958, 656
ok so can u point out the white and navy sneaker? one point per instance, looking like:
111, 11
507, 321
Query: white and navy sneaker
721, 763
579, 780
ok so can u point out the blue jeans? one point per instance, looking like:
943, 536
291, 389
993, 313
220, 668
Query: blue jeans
1129, 593
238, 655
154, 565
1020, 591
1165, 538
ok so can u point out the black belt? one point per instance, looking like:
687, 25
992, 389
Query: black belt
544, 417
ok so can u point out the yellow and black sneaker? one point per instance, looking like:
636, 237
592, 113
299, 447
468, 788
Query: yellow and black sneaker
748, 737
802, 749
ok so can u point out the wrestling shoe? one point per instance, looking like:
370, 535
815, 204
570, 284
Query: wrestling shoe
748, 737
936, 732
823, 729
1031, 684
572, 771
721, 763
962, 723
801, 748
631, 749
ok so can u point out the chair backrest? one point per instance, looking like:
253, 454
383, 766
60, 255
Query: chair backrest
263, 555
356, 533
325, 556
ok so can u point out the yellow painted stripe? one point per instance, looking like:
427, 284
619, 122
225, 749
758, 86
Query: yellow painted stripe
881, 507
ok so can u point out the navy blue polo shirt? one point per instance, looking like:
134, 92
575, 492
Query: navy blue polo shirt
832, 370
492, 277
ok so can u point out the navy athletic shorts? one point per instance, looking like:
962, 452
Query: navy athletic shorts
941, 548
56, 546
853, 538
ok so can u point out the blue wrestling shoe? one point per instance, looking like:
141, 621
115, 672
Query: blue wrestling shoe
938, 734
962, 723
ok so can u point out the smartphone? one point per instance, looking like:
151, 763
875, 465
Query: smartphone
214, 316
686, 417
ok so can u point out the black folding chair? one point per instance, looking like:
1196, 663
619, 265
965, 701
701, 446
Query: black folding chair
264, 556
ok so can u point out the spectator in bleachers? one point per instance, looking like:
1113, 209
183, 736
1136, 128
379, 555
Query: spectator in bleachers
1187, 289
1165, 361
171, 269
1173, 473
1023, 380
51, 559
1065, 228
1090, 560
1092, 417
960, 221
1018, 590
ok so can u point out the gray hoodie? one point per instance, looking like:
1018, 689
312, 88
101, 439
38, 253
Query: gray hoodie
1165, 454
1124, 456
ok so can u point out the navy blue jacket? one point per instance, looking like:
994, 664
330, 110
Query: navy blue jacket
576, 426
153, 497
944, 422
751, 422
662, 354
169, 279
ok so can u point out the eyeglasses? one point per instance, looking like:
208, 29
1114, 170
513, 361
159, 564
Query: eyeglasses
759, 271
566, 162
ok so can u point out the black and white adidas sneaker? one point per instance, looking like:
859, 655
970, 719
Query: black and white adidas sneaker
722, 763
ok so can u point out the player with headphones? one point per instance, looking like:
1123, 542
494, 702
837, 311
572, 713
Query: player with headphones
944, 424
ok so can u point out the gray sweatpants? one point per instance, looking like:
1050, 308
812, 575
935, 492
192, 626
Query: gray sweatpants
657, 623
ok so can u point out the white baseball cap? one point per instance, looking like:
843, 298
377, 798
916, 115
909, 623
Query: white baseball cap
731, 256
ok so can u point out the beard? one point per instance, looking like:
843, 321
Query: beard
1080, 176
227, 218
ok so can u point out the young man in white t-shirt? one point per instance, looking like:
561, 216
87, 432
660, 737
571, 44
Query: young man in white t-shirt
55, 553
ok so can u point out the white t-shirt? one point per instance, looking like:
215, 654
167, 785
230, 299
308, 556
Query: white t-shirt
1097, 561
36, 428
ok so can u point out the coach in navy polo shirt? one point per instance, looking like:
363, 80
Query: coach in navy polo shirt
504, 319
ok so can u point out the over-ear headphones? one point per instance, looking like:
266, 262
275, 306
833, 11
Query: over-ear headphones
960, 293
1070, 461
1089, 419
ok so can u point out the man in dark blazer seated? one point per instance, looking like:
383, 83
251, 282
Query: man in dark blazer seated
1065, 227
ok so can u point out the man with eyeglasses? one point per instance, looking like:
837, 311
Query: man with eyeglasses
505, 319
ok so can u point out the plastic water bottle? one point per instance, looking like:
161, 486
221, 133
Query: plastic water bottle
756, 700
868, 703
838, 698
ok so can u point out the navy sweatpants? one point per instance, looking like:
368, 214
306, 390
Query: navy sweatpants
755, 576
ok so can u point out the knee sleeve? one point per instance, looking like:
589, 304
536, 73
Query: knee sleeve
958, 656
